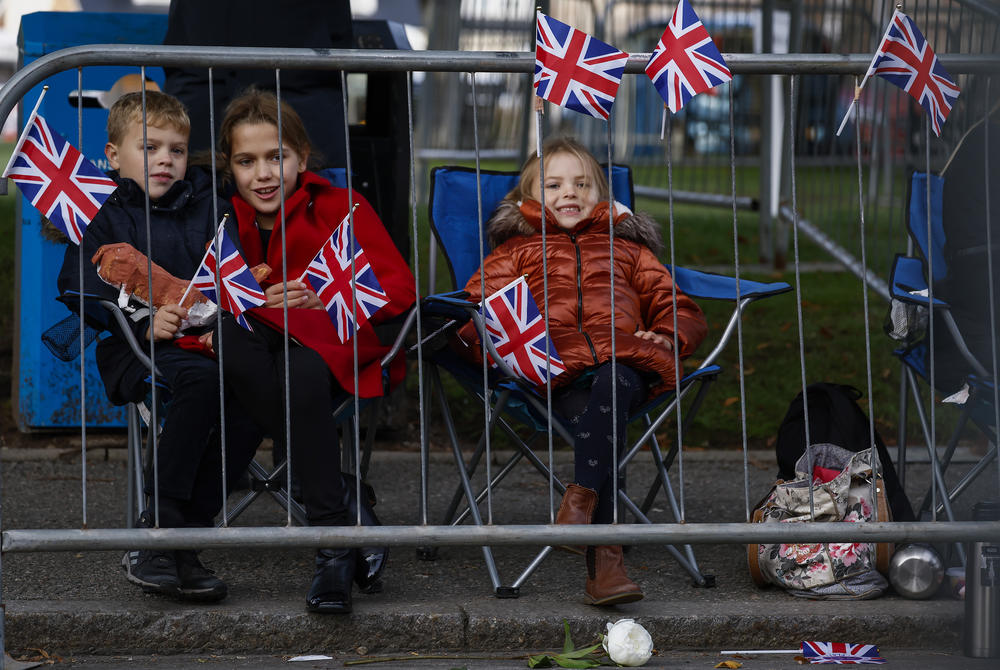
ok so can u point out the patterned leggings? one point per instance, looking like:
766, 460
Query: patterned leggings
589, 413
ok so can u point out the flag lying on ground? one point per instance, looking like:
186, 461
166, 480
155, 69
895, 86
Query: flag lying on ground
905, 59
240, 291
58, 180
686, 61
841, 653
517, 330
575, 70
329, 274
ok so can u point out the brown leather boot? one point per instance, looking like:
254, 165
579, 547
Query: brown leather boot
607, 582
577, 506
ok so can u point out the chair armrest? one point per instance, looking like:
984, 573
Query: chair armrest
451, 305
126, 331
907, 277
706, 285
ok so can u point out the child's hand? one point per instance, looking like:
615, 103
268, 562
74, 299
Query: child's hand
650, 336
206, 340
166, 322
299, 295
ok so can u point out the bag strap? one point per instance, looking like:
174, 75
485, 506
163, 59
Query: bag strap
753, 552
883, 550
753, 549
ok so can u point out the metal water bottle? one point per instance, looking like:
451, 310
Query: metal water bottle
982, 589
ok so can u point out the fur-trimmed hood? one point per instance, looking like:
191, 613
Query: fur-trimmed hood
511, 219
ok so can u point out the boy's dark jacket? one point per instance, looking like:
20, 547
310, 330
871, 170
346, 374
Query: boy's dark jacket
181, 223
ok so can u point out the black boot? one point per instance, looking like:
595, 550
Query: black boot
370, 560
330, 592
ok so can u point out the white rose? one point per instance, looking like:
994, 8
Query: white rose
628, 643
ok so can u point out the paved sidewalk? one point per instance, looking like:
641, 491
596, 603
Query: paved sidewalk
78, 605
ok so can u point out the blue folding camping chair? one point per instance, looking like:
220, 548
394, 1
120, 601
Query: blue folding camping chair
909, 286
455, 222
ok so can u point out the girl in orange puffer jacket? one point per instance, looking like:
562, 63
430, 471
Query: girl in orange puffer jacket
578, 261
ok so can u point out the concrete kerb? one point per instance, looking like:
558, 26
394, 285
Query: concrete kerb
80, 603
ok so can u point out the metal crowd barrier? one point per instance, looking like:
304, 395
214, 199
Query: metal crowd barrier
31, 540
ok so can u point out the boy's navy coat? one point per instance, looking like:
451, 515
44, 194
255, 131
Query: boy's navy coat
180, 223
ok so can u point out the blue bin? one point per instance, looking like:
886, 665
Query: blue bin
48, 389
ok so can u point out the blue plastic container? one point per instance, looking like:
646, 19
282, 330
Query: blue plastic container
48, 389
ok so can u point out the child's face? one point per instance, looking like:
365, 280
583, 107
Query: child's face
570, 193
256, 169
167, 151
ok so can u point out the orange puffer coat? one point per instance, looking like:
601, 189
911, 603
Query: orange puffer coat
579, 304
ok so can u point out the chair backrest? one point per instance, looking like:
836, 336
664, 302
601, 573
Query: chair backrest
454, 211
917, 220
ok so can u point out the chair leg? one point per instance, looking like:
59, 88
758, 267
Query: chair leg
491, 567
904, 401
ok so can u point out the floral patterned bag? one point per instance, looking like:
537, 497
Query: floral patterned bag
842, 491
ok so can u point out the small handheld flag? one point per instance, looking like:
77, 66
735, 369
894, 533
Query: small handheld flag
240, 291
686, 61
905, 59
330, 276
841, 653
575, 70
56, 178
517, 330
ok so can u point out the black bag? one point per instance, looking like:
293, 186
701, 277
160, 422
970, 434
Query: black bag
836, 418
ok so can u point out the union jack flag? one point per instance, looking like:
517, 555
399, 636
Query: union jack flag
517, 330
904, 58
686, 61
329, 274
240, 291
841, 653
575, 70
59, 180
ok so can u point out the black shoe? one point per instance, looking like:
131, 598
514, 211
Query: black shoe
370, 561
330, 592
154, 571
198, 583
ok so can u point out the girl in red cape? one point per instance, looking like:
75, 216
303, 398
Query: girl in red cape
321, 363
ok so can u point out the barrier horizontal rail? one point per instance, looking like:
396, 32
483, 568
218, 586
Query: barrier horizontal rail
391, 60
542, 535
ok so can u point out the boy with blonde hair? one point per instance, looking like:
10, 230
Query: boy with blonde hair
182, 207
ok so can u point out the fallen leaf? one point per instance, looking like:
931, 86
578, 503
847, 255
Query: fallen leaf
732, 400
785, 326
763, 345
729, 664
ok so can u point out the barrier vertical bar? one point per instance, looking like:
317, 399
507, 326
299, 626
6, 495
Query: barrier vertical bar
355, 423
875, 460
487, 419
673, 289
739, 318
990, 270
83, 327
421, 389
154, 419
284, 300
218, 292
614, 357
798, 285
